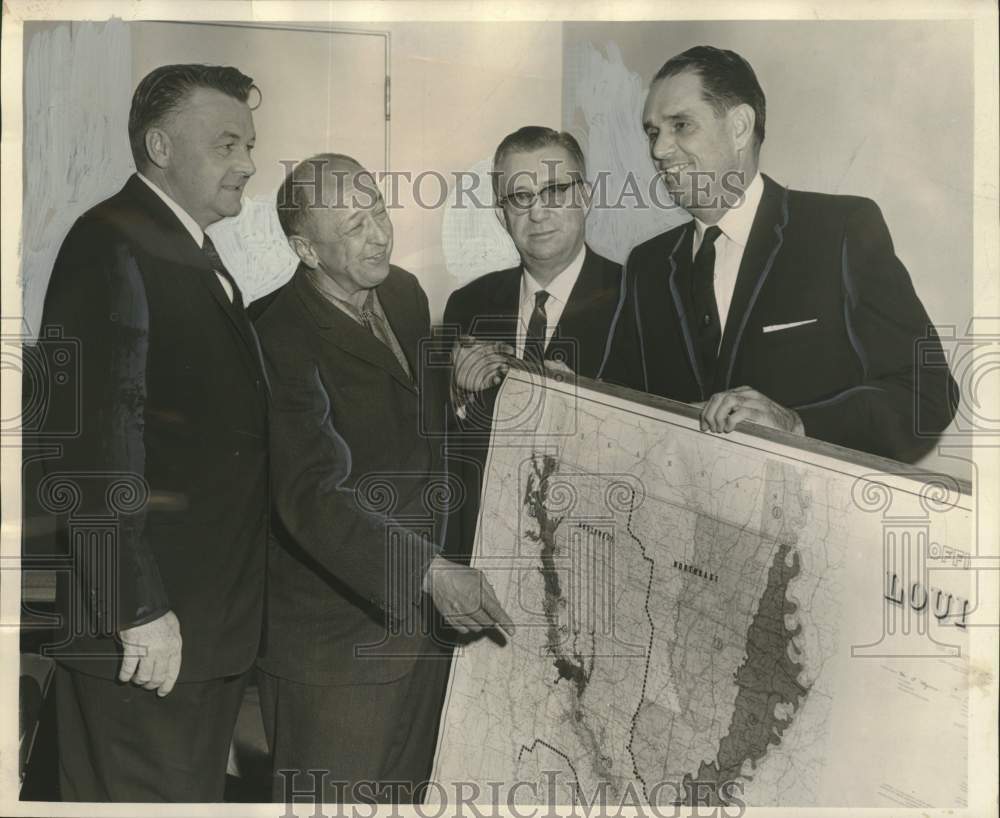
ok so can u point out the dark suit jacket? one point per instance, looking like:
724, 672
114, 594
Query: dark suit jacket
487, 308
356, 475
170, 463
868, 373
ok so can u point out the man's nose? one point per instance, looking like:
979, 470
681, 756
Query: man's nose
662, 145
379, 234
537, 210
244, 163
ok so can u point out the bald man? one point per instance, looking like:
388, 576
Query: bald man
352, 677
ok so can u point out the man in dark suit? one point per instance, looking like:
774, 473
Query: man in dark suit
162, 614
556, 306
352, 676
784, 308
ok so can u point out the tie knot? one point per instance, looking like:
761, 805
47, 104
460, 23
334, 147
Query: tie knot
368, 308
711, 234
540, 298
208, 248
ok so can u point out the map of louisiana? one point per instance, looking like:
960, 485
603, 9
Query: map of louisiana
707, 620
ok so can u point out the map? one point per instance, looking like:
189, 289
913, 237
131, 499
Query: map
706, 619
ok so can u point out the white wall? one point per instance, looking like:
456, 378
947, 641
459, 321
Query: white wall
76, 153
457, 90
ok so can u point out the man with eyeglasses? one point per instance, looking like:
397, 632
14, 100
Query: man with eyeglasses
556, 306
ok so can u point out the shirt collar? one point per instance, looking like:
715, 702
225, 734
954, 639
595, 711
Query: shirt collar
560, 287
371, 303
185, 218
736, 222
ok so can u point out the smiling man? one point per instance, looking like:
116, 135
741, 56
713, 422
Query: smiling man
784, 308
162, 617
556, 305
352, 678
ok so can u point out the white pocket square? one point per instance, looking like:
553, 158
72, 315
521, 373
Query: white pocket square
780, 327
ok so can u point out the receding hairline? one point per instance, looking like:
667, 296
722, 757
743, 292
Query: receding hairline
338, 172
338, 167
684, 72
189, 102
545, 161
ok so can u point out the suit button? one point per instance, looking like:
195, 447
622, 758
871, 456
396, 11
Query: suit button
256, 383
707, 319
236, 453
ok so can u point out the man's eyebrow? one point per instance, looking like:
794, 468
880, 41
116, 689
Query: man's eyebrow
682, 114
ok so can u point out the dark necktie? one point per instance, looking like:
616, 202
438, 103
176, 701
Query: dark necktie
208, 248
705, 315
534, 341
378, 327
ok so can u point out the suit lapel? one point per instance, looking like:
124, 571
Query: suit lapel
678, 276
340, 329
766, 237
500, 323
175, 244
582, 317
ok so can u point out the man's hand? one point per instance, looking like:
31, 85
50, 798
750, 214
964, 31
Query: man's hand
479, 365
152, 654
465, 597
722, 411
559, 370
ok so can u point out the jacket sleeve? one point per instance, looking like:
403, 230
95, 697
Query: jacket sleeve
96, 307
349, 535
907, 396
463, 405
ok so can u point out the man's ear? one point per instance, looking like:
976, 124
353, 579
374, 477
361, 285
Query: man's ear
741, 123
159, 148
303, 248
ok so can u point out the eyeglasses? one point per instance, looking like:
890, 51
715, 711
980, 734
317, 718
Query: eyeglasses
557, 194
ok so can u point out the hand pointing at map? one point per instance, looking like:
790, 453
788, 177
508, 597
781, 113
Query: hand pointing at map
465, 598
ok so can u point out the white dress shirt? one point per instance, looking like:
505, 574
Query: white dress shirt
730, 245
190, 225
559, 290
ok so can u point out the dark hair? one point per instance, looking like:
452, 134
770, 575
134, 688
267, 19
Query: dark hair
299, 192
531, 138
727, 80
163, 89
